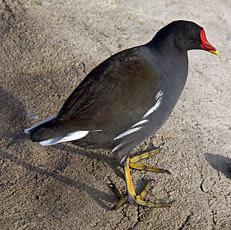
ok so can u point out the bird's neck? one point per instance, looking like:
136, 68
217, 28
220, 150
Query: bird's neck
166, 46
169, 56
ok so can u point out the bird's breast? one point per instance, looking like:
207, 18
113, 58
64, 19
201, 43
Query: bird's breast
170, 89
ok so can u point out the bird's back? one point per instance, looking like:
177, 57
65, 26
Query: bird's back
123, 100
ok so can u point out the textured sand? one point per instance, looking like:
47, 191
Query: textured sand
46, 48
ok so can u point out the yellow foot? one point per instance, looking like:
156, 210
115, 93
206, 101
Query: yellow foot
138, 199
133, 165
131, 196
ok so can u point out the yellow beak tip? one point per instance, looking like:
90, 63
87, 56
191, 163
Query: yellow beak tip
216, 52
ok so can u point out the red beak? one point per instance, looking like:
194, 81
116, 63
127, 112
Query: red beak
206, 45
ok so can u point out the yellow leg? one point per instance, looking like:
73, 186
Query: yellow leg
128, 178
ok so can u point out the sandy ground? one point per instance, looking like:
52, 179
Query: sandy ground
46, 48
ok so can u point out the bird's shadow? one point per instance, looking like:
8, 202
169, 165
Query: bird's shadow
12, 116
13, 119
99, 196
220, 163
106, 158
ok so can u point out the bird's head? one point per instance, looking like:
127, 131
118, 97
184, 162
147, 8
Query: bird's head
185, 35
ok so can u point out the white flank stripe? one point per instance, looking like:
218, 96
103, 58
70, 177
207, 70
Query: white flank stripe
117, 147
69, 137
130, 131
159, 97
159, 94
35, 125
140, 123
154, 108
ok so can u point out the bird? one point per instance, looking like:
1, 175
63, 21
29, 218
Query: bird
126, 99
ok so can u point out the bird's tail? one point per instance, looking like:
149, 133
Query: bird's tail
51, 131
43, 130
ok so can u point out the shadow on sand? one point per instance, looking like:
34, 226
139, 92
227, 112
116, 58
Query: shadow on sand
99, 196
12, 116
220, 163
108, 159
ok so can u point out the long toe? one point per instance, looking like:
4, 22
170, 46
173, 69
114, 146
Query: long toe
166, 171
122, 201
148, 168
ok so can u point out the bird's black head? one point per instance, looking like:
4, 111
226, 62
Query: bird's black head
184, 35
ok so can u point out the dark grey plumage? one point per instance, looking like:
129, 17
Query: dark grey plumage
138, 85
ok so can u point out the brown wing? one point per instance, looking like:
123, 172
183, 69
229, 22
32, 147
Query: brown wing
114, 96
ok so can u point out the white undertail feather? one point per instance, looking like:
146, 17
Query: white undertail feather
36, 125
69, 137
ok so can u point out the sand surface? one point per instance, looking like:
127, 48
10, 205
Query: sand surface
46, 49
